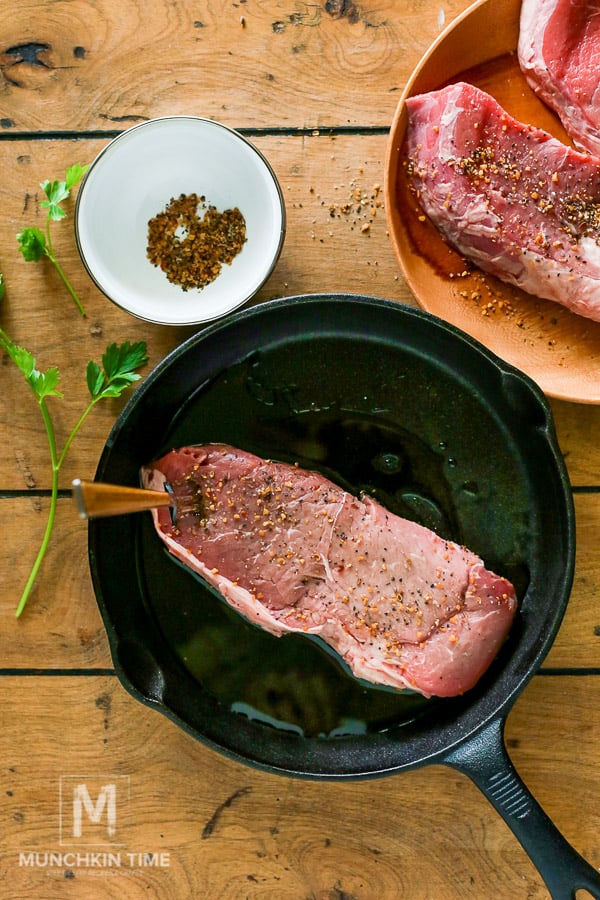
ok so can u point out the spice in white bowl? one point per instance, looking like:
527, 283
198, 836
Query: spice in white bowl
190, 240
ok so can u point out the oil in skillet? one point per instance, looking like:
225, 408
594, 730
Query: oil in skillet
292, 682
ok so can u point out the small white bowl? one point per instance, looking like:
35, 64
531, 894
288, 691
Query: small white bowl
134, 178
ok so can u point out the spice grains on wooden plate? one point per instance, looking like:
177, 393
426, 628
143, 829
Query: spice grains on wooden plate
190, 240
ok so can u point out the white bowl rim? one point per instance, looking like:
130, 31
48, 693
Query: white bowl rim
192, 320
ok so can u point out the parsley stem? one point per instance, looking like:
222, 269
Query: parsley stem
49, 251
51, 514
69, 440
56, 463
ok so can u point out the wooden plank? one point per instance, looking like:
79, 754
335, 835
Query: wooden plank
62, 626
243, 833
578, 641
578, 428
82, 66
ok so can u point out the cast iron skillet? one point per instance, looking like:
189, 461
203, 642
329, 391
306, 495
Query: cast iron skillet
378, 396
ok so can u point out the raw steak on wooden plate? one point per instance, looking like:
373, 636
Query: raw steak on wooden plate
559, 53
508, 196
294, 552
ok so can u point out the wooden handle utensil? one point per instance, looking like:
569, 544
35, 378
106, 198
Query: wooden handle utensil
96, 499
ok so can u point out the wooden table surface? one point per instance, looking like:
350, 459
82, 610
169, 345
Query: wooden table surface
314, 85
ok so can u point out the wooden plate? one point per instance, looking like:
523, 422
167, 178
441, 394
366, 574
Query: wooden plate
558, 349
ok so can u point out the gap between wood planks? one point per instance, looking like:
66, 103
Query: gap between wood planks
274, 131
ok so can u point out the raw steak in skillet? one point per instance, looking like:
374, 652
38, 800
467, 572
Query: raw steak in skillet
559, 53
509, 197
293, 552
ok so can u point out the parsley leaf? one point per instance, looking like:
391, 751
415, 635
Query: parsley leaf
74, 174
118, 370
94, 377
43, 384
33, 244
56, 192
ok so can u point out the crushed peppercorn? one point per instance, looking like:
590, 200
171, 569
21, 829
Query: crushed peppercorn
190, 240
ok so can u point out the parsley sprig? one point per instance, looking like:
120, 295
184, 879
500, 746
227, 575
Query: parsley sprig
117, 372
34, 243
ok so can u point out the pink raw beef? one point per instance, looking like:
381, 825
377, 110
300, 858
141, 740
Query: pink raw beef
559, 53
509, 197
293, 552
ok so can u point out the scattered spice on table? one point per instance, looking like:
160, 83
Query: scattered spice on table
190, 240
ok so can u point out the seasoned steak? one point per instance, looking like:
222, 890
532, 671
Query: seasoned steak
293, 552
559, 53
508, 196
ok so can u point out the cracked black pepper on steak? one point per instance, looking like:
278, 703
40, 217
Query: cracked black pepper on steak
190, 240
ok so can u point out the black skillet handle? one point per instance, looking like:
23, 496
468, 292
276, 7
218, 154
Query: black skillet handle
485, 760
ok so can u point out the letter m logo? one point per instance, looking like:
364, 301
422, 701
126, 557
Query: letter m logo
89, 806
107, 798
